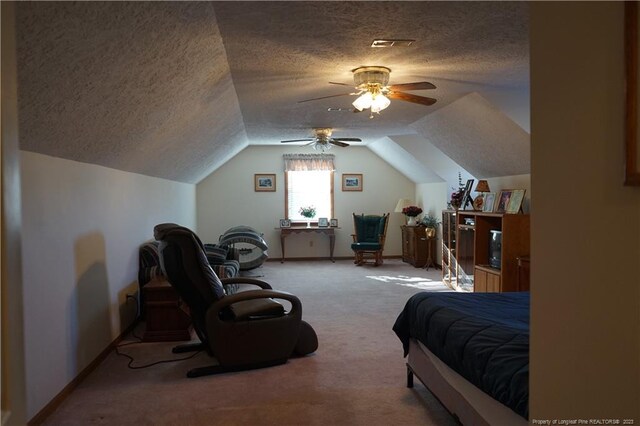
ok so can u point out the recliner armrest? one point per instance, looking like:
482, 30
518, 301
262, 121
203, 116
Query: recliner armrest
216, 307
242, 280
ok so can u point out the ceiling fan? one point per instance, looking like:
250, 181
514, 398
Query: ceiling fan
322, 139
373, 90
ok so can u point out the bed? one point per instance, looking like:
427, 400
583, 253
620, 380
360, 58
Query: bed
472, 351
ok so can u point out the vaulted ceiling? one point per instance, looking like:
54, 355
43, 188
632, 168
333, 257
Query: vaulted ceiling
175, 89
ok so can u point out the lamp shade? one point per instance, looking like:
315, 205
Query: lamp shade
402, 203
483, 186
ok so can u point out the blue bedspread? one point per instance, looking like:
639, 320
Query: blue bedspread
482, 336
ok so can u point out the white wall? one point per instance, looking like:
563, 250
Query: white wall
433, 197
226, 198
585, 229
82, 226
497, 184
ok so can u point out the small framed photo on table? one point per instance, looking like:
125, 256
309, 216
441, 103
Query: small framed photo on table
503, 200
264, 182
351, 182
489, 202
515, 201
323, 222
334, 223
285, 223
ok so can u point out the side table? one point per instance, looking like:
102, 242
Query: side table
166, 316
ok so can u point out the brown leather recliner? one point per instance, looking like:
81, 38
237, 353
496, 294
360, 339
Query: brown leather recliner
245, 330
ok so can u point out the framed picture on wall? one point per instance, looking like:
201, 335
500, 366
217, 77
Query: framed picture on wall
264, 182
351, 182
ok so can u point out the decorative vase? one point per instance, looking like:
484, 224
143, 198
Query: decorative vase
308, 222
411, 221
455, 204
431, 232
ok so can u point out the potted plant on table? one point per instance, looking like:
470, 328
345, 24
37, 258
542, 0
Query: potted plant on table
411, 212
309, 213
431, 223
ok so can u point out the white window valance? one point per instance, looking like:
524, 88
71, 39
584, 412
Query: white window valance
307, 162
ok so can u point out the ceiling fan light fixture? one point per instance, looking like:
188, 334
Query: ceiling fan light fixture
379, 103
363, 101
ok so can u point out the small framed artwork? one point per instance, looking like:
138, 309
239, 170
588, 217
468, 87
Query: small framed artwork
515, 201
285, 223
466, 197
351, 182
489, 201
323, 222
503, 200
264, 182
334, 223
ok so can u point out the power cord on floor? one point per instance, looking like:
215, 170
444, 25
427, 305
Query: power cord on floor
139, 340
164, 361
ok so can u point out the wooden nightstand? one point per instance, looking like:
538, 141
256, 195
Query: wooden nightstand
167, 317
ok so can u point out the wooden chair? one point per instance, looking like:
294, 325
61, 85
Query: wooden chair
368, 240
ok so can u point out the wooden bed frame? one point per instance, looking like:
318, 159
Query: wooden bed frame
470, 405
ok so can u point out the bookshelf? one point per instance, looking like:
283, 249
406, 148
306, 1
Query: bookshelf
468, 262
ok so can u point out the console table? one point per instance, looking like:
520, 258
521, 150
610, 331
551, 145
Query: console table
329, 231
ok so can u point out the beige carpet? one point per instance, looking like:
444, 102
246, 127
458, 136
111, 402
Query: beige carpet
357, 376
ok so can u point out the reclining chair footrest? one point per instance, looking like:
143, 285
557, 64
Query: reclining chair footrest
219, 369
189, 347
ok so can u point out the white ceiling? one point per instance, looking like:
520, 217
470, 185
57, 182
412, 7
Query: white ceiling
176, 89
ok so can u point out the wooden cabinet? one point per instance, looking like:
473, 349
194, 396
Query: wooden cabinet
416, 247
469, 258
486, 280
166, 317
523, 273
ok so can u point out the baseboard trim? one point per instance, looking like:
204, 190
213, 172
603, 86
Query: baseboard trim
48, 409
278, 259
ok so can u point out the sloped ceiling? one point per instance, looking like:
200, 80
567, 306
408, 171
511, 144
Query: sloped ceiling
479, 137
174, 89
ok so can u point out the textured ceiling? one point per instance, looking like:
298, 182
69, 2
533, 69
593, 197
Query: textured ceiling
174, 89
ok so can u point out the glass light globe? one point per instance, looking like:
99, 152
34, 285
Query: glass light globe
363, 102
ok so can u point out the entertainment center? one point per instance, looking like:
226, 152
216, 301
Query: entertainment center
481, 251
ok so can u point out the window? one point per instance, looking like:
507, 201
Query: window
308, 182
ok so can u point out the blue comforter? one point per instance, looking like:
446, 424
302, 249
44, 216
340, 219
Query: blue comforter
482, 336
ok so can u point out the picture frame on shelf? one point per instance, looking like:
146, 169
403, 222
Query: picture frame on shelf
333, 223
352, 181
285, 223
515, 201
489, 202
323, 222
264, 182
466, 196
503, 201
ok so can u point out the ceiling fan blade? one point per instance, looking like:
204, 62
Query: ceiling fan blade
348, 139
411, 98
298, 140
341, 84
338, 143
419, 85
325, 97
